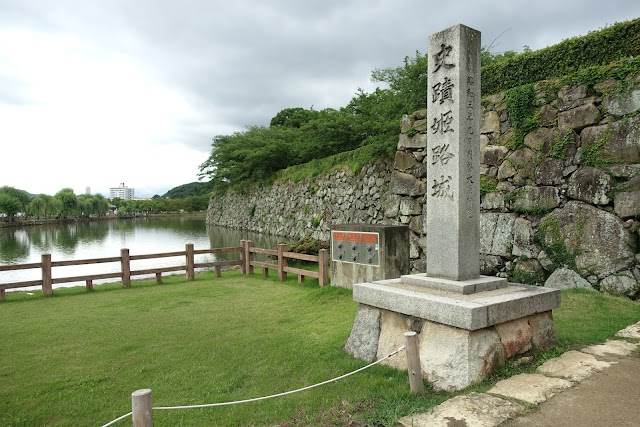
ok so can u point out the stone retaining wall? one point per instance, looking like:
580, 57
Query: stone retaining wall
564, 200
562, 207
293, 210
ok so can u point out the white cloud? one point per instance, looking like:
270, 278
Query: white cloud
88, 119
98, 92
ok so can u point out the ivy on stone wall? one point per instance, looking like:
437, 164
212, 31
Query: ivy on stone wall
521, 102
621, 40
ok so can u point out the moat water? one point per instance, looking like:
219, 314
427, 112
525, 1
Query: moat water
105, 238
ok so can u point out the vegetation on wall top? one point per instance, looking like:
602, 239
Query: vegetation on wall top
189, 190
302, 142
596, 48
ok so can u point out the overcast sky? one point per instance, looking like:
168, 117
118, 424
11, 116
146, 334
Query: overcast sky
98, 92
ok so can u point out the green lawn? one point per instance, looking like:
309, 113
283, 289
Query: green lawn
75, 359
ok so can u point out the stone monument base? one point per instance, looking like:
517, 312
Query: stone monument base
462, 337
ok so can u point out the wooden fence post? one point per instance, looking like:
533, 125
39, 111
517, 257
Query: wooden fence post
413, 362
125, 262
243, 256
282, 261
46, 275
191, 273
141, 409
2, 295
249, 257
323, 264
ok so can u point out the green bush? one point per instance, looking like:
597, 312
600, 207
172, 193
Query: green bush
602, 47
307, 245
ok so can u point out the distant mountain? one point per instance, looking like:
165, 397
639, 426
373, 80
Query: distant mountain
189, 190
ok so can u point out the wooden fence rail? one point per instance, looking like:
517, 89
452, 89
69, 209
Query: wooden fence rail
246, 262
282, 256
125, 273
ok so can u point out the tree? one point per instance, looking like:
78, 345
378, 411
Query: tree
13, 201
68, 202
408, 82
116, 201
84, 206
252, 155
9, 205
187, 190
376, 117
45, 206
196, 203
297, 135
488, 58
293, 117
99, 205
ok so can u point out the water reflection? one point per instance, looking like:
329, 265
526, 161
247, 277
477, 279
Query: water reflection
14, 246
220, 237
97, 239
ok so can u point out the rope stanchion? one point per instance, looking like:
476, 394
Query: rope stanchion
256, 399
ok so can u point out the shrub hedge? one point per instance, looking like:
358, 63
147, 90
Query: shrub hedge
621, 40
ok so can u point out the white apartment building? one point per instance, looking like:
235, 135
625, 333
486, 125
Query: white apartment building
122, 192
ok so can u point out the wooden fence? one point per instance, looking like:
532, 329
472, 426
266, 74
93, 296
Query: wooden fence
246, 262
248, 251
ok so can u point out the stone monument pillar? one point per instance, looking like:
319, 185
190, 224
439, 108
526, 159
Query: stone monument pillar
453, 164
468, 324
453, 168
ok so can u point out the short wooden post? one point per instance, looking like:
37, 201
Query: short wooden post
249, 257
191, 272
125, 262
413, 362
323, 267
300, 278
218, 271
243, 256
141, 409
282, 261
47, 288
159, 278
2, 295
265, 272
89, 285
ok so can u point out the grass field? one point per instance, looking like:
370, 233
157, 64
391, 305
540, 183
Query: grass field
75, 359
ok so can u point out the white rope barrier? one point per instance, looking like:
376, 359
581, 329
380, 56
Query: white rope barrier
110, 423
256, 399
